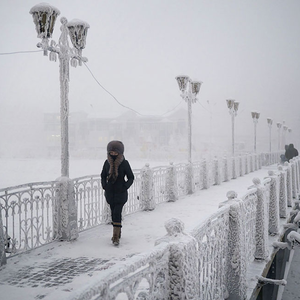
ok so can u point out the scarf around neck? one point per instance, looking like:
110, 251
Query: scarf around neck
114, 166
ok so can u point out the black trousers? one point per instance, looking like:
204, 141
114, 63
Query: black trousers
116, 213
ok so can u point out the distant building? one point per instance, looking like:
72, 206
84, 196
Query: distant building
89, 134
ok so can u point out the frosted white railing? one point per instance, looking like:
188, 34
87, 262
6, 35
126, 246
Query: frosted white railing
212, 261
27, 210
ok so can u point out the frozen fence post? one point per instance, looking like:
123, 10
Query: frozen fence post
259, 161
255, 162
273, 205
289, 190
171, 184
217, 171
2, 243
294, 184
183, 262
246, 164
147, 189
282, 193
205, 179
234, 175
226, 170
251, 163
242, 173
296, 160
236, 276
189, 179
261, 231
65, 223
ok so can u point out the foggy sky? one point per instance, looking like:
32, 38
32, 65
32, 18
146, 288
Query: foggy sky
242, 50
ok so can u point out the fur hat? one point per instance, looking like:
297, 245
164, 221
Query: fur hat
116, 146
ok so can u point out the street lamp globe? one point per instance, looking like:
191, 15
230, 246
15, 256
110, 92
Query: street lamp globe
78, 33
230, 103
196, 87
182, 81
236, 105
44, 17
255, 115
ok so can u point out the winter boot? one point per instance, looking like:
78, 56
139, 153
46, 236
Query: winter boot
116, 235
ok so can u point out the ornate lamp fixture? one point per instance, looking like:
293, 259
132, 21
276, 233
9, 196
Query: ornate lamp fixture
255, 116
233, 107
270, 122
279, 125
78, 33
189, 90
44, 17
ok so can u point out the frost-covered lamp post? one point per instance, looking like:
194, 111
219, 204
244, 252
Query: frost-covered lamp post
270, 122
279, 125
65, 225
255, 117
189, 90
233, 108
44, 17
285, 128
289, 138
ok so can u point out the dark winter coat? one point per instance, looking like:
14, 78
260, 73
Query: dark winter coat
116, 191
291, 152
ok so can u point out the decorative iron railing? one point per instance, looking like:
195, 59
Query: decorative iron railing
181, 179
143, 274
212, 238
159, 181
91, 209
27, 215
133, 203
27, 210
226, 244
250, 213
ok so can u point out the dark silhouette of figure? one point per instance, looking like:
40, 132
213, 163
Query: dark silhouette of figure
291, 152
116, 178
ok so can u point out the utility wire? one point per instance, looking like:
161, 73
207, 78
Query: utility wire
203, 107
127, 107
20, 52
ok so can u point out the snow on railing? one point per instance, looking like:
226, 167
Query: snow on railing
27, 210
159, 182
250, 216
88, 195
26, 213
212, 239
132, 279
212, 261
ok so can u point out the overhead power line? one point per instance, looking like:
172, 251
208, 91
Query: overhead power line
20, 52
127, 107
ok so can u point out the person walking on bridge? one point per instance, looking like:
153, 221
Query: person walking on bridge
113, 174
291, 152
